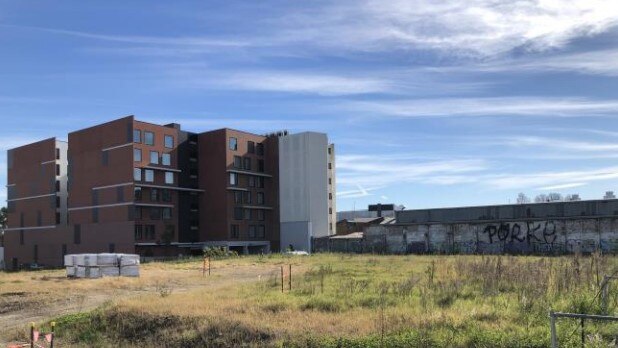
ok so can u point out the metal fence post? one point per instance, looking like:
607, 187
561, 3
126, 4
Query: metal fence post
552, 323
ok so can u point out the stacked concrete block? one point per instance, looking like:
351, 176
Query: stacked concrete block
102, 265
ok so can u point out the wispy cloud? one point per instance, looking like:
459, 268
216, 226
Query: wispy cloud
491, 106
562, 186
145, 40
387, 170
479, 27
550, 178
320, 84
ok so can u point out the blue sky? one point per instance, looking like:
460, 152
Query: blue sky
431, 104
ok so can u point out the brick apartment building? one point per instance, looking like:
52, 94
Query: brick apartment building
135, 187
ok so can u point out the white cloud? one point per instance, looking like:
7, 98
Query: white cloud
274, 81
491, 106
562, 186
384, 170
550, 179
480, 27
144, 40
562, 144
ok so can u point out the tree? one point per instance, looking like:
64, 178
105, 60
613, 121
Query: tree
4, 213
542, 198
522, 198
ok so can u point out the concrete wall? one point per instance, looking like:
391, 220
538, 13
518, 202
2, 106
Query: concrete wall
297, 235
303, 178
525, 236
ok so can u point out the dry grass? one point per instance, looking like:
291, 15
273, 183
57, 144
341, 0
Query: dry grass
337, 300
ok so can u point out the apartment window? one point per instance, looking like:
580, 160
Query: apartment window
250, 147
104, 158
149, 175
330, 181
237, 197
57, 185
261, 166
138, 213
169, 141
252, 231
261, 233
154, 157
247, 163
57, 170
120, 193
57, 205
57, 154
260, 149
237, 162
233, 144
39, 218
57, 218
137, 174
251, 180
247, 214
330, 196
329, 150
149, 231
169, 178
95, 215
330, 211
238, 213
155, 213
137, 136
247, 199
21, 237
260, 198
261, 216
137, 155
166, 195
233, 179
154, 195
330, 165
167, 213
138, 232
77, 234
234, 231
149, 138
166, 159
260, 182
137, 193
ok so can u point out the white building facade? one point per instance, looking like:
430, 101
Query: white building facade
307, 189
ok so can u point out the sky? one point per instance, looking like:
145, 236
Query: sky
429, 103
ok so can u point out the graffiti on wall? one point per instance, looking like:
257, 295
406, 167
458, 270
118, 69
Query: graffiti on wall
531, 232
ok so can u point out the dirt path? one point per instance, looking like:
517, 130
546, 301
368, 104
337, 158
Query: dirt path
74, 296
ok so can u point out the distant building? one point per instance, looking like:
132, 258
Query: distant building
346, 226
372, 211
135, 187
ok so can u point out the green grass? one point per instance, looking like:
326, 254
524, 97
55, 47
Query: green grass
369, 301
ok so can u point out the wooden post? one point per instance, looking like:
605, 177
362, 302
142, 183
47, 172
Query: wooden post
552, 324
204, 267
290, 278
209, 265
282, 279
32, 335
53, 325
583, 333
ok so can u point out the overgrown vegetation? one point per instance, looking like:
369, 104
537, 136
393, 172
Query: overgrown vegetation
368, 301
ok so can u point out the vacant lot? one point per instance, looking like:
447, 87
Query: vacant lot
336, 300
